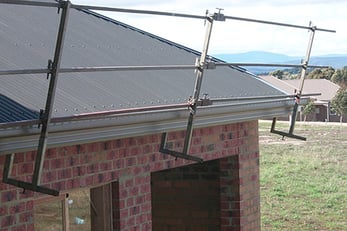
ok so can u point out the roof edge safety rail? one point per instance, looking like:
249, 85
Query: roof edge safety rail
45, 115
202, 64
208, 65
298, 92
53, 69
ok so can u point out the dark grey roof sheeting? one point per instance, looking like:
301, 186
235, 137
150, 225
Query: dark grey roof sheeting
27, 40
14, 111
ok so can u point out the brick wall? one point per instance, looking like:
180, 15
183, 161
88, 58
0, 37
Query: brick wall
128, 163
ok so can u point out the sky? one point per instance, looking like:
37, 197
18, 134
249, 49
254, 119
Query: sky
234, 36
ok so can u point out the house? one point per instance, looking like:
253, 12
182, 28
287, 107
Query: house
322, 102
105, 134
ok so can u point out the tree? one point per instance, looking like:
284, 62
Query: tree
339, 102
285, 73
278, 74
308, 109
340, 77
321, 73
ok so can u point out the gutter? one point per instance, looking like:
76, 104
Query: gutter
25, 138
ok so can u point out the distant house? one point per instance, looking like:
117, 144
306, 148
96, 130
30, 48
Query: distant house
326, 88
106, 132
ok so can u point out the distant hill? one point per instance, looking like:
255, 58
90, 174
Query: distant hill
256, 57
334, 60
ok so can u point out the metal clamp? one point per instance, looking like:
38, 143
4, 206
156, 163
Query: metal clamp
219, 16
49, 67
210, 65
205, 101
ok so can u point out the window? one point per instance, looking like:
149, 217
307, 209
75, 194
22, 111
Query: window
87, 209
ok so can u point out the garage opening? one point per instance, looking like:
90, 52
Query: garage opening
186, 198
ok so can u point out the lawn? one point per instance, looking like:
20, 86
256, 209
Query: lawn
304, 183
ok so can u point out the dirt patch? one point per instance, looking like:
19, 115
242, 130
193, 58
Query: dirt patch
279, 140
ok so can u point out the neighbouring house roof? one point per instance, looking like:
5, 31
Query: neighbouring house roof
28, 40
279, 84
326, 88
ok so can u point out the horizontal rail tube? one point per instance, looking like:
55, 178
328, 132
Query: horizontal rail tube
99, 69
30, 3
94, 115
122, 10
118, 112
101, 8
268, 65
162, 13
24, 71
279, 24
144, 68
126, 68
260, 97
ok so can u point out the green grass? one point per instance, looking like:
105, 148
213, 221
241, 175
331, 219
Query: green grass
304, 183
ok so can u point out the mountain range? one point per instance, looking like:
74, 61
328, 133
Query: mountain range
336, 61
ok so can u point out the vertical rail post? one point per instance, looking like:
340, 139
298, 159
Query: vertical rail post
302, 79
298, 92
47, 113
198, 81
201, 64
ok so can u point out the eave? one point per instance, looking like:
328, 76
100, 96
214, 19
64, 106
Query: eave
25, 138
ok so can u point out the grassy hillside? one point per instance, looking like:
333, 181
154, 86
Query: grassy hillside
304, 184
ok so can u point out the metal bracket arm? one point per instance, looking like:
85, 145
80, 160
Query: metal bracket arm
22, 184
284, 134
176, 154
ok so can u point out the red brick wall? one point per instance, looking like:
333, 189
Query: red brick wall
240, 193
128, 163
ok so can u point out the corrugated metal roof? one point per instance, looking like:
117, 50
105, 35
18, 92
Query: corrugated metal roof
12, 111
28, 39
